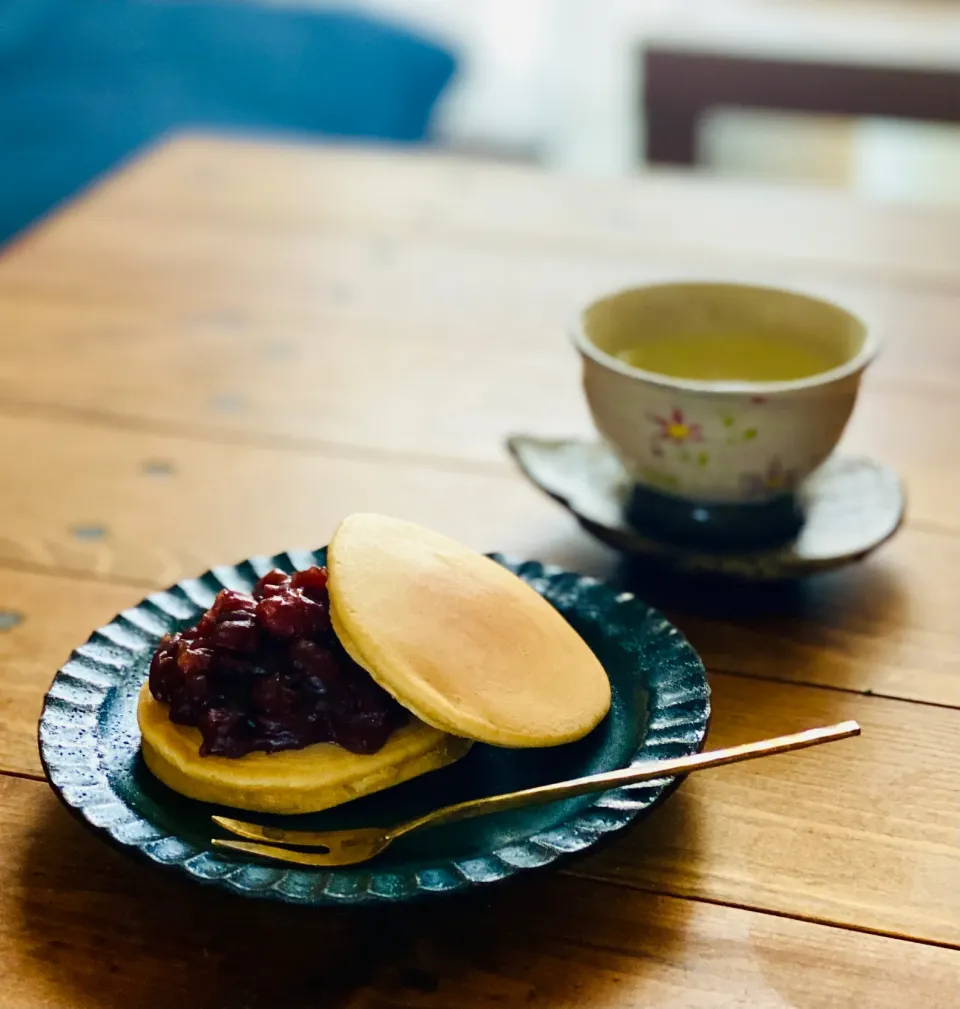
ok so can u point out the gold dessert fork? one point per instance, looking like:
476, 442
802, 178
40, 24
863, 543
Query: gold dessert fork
349, 847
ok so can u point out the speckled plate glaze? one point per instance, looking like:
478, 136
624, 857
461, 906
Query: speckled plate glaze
89, 743
851, 506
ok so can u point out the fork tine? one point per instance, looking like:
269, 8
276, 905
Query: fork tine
285, 855
276, 835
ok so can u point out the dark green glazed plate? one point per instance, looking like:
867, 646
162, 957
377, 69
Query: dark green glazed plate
89, 743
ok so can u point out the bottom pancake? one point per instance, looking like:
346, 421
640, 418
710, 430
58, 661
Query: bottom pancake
292, 781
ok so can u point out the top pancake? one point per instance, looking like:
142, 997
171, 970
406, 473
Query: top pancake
460, 641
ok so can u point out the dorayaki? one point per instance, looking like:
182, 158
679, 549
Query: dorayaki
458, 650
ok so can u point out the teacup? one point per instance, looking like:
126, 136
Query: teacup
719, 444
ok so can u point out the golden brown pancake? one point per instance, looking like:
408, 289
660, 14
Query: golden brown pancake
461, 642
292, 781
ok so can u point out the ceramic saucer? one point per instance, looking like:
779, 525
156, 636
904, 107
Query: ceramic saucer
850, 507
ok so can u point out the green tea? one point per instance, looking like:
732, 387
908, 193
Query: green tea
732, 357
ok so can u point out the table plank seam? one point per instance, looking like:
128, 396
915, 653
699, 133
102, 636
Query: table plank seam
807, 919
694, 899
23, 775
78, 574
681, 255
146, 585
865, 692
782, 883
582, 942
213, 435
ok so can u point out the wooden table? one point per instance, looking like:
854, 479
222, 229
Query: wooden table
228, 345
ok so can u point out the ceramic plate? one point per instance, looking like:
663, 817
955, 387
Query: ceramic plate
89, 743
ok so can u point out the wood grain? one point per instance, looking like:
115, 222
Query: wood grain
858, 630
180, 263
310, 189
43, 617
865, 833
228, 346
884, 627
123, 504
138, 506
860, 833
434, 344
333, 375
80, 924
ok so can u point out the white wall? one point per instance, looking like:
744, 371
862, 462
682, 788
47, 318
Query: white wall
557, 81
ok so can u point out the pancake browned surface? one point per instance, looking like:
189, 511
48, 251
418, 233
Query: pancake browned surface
292, 781
460, 641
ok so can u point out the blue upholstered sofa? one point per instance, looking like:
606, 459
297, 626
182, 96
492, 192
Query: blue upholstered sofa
85, 82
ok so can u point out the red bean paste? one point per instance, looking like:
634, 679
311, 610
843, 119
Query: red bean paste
266, 672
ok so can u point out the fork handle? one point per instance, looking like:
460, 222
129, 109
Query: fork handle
648, 771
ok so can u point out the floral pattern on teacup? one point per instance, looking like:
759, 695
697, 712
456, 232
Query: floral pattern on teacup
676, 428
776, 479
